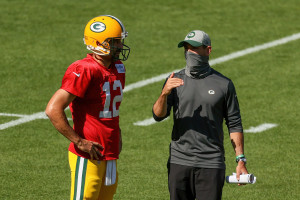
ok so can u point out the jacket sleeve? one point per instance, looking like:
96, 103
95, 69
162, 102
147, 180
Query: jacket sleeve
232, 114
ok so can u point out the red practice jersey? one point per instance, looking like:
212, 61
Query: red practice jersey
95, 110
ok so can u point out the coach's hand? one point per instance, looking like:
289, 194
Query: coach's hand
92, 148
241, 169
171, 83
160, 106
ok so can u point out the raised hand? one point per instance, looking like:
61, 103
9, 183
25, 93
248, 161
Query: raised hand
171, 83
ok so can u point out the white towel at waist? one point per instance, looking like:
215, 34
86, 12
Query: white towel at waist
111, 172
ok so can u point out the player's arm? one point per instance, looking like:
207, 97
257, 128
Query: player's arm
160, 106
55, 111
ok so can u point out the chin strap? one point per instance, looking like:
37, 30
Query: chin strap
98, 50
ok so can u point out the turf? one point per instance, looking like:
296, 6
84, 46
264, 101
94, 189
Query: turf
40, 39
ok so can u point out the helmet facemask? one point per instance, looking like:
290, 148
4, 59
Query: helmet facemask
116, 51
108, 48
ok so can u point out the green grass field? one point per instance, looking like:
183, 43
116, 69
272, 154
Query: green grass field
40, 39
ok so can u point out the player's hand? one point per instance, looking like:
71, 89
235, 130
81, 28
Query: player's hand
241, 169
171, 83
92, 148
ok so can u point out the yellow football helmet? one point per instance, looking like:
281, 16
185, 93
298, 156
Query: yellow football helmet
100, 33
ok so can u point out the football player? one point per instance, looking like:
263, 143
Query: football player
93, 89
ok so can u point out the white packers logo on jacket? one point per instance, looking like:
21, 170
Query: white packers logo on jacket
211, 92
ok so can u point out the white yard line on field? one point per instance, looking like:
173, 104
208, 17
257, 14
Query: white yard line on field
22, 120
12, 115
146, 122
139, 84
260, 128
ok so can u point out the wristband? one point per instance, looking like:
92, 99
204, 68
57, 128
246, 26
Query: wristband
239, 157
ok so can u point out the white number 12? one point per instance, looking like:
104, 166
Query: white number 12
106, 113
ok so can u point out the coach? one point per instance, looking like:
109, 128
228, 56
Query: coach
201, 99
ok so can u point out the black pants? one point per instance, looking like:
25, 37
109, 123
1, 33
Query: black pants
190, 183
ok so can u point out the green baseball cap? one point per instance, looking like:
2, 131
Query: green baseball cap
196, 38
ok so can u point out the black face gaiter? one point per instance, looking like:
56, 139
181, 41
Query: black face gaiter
196, 66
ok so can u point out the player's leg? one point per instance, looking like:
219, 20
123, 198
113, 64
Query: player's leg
209, 183
74, 160
86, 177
107, 192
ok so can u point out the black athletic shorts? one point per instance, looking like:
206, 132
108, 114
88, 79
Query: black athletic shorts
190, 183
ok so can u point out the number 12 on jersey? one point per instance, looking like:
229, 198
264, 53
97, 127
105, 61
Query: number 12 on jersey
106, 113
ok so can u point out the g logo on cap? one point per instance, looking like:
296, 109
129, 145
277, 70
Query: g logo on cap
97, 27
191, 34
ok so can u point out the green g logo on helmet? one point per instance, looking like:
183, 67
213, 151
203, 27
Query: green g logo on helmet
97, 27
191, 34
